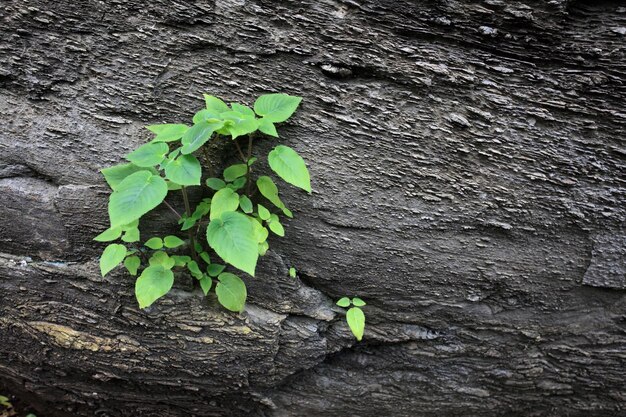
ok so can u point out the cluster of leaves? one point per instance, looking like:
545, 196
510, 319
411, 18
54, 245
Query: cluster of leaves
231, 226
354, 316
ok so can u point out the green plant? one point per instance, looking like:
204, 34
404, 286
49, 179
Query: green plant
354, 316
231, 225
5, 402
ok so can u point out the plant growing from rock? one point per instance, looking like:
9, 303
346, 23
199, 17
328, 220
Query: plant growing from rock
354, 316
228, 229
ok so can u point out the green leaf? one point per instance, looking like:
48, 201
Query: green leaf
116, 174
215, 183
356, 321
206, 115
264, 213
223, 201
263, 247
235, 171
162, 258
155, 281
357, 302
172, 241
197, 135
131, 235
232, 237
292, 272
276, 107
205, 257
188, 223
231, 292
149, 154
168, 132
135, 196
205, 283
180, 260
184, 170
201, 210
239, 124
267, 127
172, 186
108, 235
245, 204
290, 166
245, 110
269, 190
194, 269
237, 184
111, 257
132, 263
275, 226
287, 212
4, 401
215, 269
344, 302
215, 104
155, 243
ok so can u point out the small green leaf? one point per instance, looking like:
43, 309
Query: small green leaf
205, 257
267, 127
290, 166
263, 247
205, 283
357, 302
245, 204
131, 235
155, 281
132, 264
344, 302
276, 107
237, 184
287, 212
206, 115
252, 160
108, 235
168, 132
188, 223
232, 237
4, 401
135, 196
172, 186
292, 272
269, 190
180, 260
215, 183
275, 226
148, 155
231, 292
264, 213
155, 243
132, 225
111, 257
116, 174
215, 104
184, 170
245, 110
223, 201
235, 171
215, 269
201, 210
194, 269
240, 124
356, 321
172, 241
197, 135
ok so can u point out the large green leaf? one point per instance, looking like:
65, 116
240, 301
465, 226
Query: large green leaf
267, 127
154, 282
168, 132
116, 174
148, 155
111, 257
224, 200
231, 292
112, 233
197, 135
245, 110
356, 321
215, 104
290, 166
135, 196
239, 124
276, 107
184, 170
232, 237
269, 190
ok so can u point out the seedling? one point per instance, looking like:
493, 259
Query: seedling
354, 316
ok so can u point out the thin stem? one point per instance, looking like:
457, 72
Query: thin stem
172, 209
192, 240
248, 166
243, 158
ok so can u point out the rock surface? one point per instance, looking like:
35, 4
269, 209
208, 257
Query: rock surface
468, 165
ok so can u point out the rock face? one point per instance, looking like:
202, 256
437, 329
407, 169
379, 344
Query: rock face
468, 165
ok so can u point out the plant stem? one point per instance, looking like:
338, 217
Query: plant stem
248, 166
243, 158
173, 209
192, 239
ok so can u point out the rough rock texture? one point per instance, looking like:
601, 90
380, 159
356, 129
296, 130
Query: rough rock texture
468, 162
